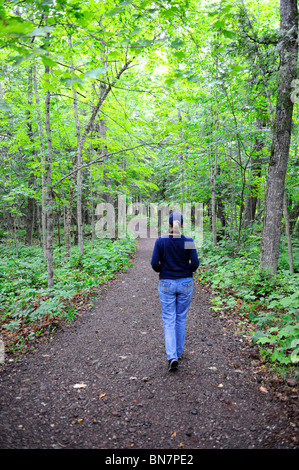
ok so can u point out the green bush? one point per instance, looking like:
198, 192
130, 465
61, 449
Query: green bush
271, 302
24, 296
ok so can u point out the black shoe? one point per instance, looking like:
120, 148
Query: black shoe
172, 364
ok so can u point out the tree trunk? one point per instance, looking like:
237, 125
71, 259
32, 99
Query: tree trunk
30, 220
42, 157
79, 164
49, 193
31, 201
104, 151
181, 158
15, 238
256, 166
88, 127
294, 214
213, 177
281, 137
68, 212
288, 233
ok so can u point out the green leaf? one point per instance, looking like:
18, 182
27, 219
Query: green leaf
96, 72
218, 24
228, 34
177, 43
143, 43
40, 31
125, 2
4, 107
179, 55
48, 61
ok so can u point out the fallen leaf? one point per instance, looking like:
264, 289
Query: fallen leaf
181, 445
263, 389
79, 420
291, 382
79, 386
220, 386
102, 395
60, 444
173, 434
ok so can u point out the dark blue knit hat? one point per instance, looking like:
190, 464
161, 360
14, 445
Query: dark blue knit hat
175, 216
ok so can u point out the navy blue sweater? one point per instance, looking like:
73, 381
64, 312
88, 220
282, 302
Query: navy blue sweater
174, 257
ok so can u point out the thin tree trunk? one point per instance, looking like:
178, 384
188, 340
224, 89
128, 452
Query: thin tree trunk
213, 203
104, 151
213, 179
281, 138
251, 199
31, 200
242, 191
15, 237
293, 217
181, 157
49, 193
88, 127
68, 212
92, 210
42, 157
79, 164
288, 233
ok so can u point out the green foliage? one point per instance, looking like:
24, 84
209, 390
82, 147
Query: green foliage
188, 108
270, 303
24, 297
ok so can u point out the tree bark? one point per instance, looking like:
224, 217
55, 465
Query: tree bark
294, 214
256, 168
104, 151
281, 137
68, 212
181, 158
31, 200
288, 233
79, 164
49, 192
42, 158
213, 177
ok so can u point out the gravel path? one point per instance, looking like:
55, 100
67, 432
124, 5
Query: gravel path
103, 383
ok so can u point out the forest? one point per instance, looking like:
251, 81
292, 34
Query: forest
160, 102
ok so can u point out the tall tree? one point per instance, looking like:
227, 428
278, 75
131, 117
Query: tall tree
281, 137
49, 191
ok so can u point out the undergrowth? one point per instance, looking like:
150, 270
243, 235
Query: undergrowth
269, 303
26, 305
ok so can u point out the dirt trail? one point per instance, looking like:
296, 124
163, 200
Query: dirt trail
128, 399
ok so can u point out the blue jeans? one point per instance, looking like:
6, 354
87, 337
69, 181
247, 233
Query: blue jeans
175, 297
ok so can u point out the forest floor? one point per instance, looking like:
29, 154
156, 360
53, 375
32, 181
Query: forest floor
102, 382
